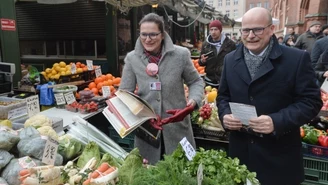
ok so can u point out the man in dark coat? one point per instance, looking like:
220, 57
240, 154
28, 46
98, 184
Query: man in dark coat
220, 45
280, 83
307, 39
320, 45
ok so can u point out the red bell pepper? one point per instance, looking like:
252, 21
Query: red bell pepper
323, 140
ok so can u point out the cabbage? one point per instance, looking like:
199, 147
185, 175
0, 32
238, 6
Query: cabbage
37, 121
69, 148
91, 150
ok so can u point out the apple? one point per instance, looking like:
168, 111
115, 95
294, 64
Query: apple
208, 88
214, 89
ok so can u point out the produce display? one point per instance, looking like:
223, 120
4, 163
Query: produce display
200, 69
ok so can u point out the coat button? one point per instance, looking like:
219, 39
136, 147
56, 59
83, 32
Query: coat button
251, 98
252, 141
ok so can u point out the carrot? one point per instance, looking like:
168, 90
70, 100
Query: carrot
102, 168
110, 170
86, 182
24, 172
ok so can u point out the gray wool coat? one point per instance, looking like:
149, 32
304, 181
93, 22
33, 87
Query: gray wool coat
175, 69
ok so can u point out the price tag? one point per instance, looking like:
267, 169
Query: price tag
69, 97
15, 113
73, 68
60, 100
200, 175
98, 72
33, 106
105, 91
50, 151
89, 65
188, 148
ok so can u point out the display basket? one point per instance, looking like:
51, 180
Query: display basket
315, 151
127, 143
86, 76
210, 134
316, 171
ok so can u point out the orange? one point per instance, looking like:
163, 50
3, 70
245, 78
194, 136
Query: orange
85, 68
98, 80
86, 89
109, 76
106, 83
99, 85
92, 85
110, 82
103, 77
117, 80
95, 91
112, 88
83, 65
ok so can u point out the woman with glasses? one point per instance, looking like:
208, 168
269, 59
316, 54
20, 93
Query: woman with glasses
160, 69
277, 81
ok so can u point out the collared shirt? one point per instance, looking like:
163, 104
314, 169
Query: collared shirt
260, 53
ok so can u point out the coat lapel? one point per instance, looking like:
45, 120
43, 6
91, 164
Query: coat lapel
240, 66
264, 69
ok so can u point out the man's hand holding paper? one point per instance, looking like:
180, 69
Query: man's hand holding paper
231, 123
262, 124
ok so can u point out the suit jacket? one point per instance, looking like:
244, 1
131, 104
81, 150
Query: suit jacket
175, 69
284, 88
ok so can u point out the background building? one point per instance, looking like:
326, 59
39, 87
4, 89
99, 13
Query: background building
234, 9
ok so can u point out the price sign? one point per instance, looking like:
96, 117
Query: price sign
73, 68
200, 175
50, 151
89, 64
15, 113
105, 91
69, 97
98, 72
60, 100
188, 148
33, 106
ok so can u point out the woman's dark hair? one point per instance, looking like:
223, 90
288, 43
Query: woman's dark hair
152, 17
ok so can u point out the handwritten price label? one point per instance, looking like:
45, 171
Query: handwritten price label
60, 100
50, 151
90, 64
15, 113
105, 91
200, 175
73, 68
69, 97
188, 148
98, 72
33, 106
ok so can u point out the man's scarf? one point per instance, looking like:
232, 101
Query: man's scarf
254, 62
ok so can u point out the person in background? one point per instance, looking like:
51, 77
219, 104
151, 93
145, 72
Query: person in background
280, 83
291, 34
307, 39
160, 69
320, 45
281, 40
220, 45
289, 42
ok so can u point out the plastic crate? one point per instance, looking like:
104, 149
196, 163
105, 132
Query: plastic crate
316, 171
127, 143
315, 151
210, 134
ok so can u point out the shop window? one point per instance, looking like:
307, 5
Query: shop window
84, 48
29, 47
228, 13
61, 47
101, 48
259, 4
251, 5
227, 2
219, 2
68, 48
51, 47
235, 2
124, 34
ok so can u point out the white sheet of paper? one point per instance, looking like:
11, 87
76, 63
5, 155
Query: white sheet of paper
324, 86
243, 112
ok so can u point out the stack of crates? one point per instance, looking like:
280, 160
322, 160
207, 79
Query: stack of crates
127, 143
316, 171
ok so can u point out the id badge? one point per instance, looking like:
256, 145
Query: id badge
155, 86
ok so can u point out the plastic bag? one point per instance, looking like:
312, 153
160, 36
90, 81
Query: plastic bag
46, 95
